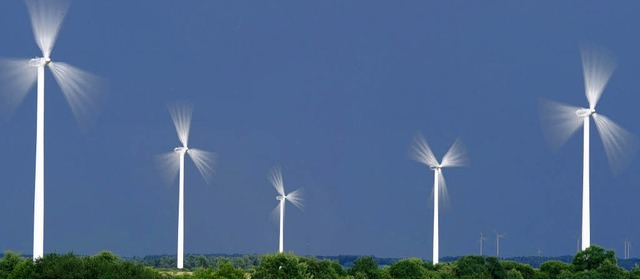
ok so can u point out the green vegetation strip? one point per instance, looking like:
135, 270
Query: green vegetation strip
594, 262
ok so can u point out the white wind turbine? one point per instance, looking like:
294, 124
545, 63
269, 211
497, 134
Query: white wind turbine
455, 157
294, 197
173, 161
498, 236
17, 78
561, 121
482, 239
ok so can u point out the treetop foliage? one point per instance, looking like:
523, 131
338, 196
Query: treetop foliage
594, 262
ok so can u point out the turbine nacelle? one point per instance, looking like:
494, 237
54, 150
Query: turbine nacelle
280, 198
181, 149
39, 61
434, 168
585, 112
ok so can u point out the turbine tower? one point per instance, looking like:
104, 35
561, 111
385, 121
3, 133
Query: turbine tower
561, 121
18, 77
173, 161
455, 157
294, 197
482, 239
498, 236
627, 249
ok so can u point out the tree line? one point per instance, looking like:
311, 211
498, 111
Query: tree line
594, 262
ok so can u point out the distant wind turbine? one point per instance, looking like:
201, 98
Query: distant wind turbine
173, 161
482, 239
18, 77
498, 236
294, 197
455, 157
627, 249
561, 121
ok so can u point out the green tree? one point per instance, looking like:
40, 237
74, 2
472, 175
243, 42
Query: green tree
472, 267
592, 257
227, 271
8, 263
201, 261
365, 267
204, 273
24, 269
446, 271
322, 269
495, 268
384, 273
66, 266
513, 274
553, 269
103, 264
525, 270
585, 274
280, 266
408, 269
610, 270
338, 268
635, 272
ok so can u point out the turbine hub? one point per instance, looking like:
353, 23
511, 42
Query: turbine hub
39, 61
584, 112
279, 198
180, 149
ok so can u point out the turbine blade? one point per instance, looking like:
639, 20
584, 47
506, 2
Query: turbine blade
169, 165
443, 193
17, 77
275, 214
204, 161
181, 114
276, 180
83, 91
597, 66
559, 121
619, 145
46, 19
445, 202
456, 156
296, 199
422, 153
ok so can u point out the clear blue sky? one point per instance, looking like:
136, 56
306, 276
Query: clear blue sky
333, 91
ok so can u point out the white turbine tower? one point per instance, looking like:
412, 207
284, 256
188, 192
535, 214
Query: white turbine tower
18, 77
561, 121
498, 236
455, 157
627, 249
173, 161
482, 239
294, 197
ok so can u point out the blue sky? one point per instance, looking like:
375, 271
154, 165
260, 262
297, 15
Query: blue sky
333, 92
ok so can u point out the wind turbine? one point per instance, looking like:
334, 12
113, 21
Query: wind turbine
498, 236
173, 161
482, 239
627, 248
455, 157
294, 197
18, 77
561, 121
